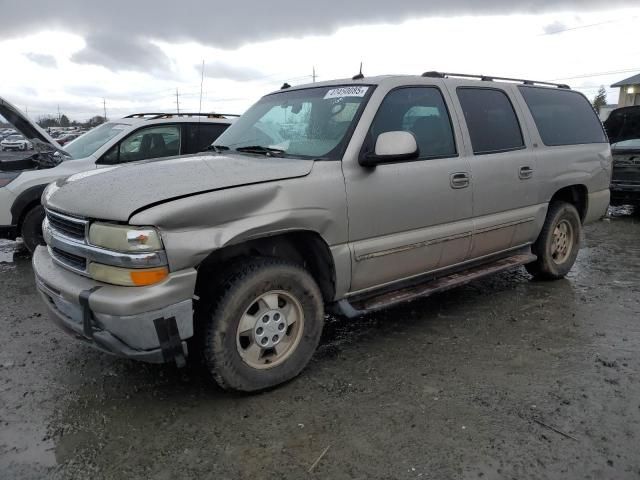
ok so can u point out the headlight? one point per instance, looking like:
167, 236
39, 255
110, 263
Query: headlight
123, 238
129, 277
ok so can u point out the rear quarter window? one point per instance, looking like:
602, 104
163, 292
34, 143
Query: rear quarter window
563, 117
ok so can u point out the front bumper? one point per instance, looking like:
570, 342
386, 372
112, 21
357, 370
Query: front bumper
150, 323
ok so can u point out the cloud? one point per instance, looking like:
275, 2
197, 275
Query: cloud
41, 59
555, 27
231, 24
117, 52
217, 69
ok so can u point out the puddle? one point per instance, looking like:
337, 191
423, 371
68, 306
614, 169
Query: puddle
621, 211
11, 251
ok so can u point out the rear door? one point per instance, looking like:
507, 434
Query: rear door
199, 136
502, 168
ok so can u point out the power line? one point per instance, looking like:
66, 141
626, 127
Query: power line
579, 27
597, 74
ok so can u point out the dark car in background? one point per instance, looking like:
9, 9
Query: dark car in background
623, 128
64, 139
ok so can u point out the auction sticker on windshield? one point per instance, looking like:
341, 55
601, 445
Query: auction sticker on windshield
346, 92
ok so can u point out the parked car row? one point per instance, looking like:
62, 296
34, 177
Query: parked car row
345, 196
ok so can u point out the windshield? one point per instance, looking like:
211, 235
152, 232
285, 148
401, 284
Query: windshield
90, 142
309, 123
15, 137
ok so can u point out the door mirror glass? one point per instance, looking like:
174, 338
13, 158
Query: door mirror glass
391, 147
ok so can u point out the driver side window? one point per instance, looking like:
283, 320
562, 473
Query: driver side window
422, 112
146, 143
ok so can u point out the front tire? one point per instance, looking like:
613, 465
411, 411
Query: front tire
558, 244
262, 325
31, 231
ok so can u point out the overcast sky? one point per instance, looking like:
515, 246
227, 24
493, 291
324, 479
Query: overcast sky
72, 54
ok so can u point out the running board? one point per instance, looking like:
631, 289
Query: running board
359, 306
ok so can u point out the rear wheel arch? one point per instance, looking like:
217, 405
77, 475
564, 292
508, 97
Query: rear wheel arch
577, 195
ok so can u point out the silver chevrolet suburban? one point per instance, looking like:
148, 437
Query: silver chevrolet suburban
349, 196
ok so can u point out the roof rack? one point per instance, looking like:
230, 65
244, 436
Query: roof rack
142, 115
156, 116
486, 78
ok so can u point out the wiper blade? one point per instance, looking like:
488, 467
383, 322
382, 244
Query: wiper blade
218, 148
268, 151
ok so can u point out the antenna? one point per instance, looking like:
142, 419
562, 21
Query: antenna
201, 82
359, 76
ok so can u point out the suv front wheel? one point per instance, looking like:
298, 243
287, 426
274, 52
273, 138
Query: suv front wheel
263, 324
558, 243
31, 230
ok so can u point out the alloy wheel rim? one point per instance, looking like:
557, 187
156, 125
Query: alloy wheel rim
562, 241
270, 329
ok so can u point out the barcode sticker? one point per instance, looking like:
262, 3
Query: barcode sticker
354, 91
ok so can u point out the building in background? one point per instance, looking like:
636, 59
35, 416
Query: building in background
629, 91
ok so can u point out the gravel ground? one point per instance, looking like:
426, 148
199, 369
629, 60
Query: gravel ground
503, 378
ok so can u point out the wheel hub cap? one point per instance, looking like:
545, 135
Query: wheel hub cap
562, 242
270, 329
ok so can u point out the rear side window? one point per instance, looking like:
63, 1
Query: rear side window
491, 120
198, 136
563, 117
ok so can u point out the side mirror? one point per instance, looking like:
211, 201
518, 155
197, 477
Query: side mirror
392, 147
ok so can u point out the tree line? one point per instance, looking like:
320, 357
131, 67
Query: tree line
48, 121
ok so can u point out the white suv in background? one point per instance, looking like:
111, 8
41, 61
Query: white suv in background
137, 137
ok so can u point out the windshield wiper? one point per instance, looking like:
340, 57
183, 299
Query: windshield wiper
218, 148
268, 151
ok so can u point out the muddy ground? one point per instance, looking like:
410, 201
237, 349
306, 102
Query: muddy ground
503, 378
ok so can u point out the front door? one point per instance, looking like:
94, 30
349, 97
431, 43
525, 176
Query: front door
410, 217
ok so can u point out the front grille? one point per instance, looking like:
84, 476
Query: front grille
69, 259
67, 225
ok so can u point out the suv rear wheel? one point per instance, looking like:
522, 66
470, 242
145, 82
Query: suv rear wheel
263, 325
558, 244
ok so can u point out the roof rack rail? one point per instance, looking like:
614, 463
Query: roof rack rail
188, 114
486, 78
142, 115
158, 115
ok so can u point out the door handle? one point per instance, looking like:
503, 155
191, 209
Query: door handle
459, 180
525, 172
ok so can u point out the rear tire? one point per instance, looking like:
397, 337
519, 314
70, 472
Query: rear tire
31, 231
558, 244
260, 326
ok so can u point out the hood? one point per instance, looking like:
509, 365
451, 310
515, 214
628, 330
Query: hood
623, 124
116, 193
31, 131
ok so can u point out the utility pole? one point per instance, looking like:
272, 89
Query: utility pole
177, 102
313, 75
104, 108
201, 83
58, 114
